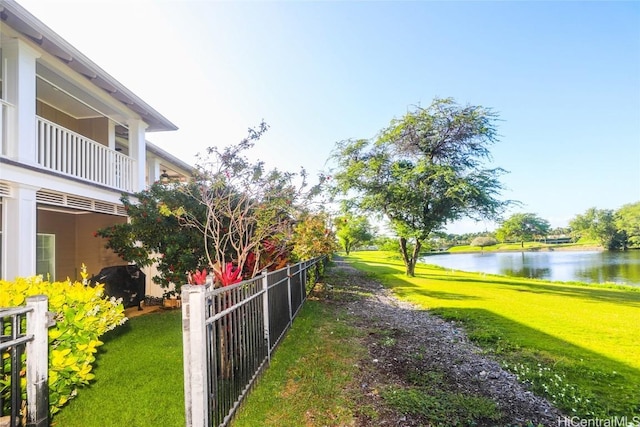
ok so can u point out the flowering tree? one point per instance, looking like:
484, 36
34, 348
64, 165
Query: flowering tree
249, 213
234, 219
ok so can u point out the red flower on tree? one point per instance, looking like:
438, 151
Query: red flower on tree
197, 278
228, 275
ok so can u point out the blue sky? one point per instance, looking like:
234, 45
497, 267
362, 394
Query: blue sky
563, 76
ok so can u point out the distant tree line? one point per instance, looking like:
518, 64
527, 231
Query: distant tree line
614, 229
611, 229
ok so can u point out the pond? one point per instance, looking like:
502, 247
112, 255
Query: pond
564, 266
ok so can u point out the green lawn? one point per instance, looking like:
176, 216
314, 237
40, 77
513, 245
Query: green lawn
139, 378
569, 341
308, 381
579, 343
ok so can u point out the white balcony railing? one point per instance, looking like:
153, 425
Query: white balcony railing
72, 154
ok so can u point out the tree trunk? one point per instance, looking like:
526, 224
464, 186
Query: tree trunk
410, 261
411, 268
405, 255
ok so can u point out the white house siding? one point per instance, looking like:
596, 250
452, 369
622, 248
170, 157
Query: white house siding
50, 92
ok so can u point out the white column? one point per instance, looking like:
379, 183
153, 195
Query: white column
21, 92
153, 170
19, 232
137, 151
111, 134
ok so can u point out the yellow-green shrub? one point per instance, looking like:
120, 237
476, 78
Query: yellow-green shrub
82, 315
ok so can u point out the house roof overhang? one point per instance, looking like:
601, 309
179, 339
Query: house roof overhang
18, 18
175, 162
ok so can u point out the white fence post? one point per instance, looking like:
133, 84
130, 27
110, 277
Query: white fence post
303, 284
194, 344
37, 362
291, 310
265, 311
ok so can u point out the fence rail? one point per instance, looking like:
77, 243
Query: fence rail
23, 332
230, 333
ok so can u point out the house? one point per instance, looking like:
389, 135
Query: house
72, 140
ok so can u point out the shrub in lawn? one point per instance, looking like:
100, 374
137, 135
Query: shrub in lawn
82, 315
483, 241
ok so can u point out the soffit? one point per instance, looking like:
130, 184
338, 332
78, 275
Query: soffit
14, 15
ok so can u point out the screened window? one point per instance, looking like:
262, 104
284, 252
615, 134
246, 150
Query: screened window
46, 255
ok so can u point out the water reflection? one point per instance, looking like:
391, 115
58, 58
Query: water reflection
520, 265
610, 268
581, 266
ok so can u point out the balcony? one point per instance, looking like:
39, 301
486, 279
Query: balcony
71, 154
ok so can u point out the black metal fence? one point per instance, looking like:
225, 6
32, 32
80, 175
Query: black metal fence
24, 350
229, 334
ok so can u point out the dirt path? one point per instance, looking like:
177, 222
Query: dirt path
403, 340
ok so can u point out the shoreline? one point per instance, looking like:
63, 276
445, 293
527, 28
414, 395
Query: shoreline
590, 248
598, 249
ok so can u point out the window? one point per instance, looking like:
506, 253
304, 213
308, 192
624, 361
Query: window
46, 255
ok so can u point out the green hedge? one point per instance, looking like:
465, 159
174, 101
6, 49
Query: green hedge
82, 314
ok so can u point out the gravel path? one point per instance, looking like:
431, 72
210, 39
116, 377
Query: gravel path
441, 346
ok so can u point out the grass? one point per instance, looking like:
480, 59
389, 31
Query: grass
308, 381
577, 344
139, 378
428, 397
446, 408
502, 247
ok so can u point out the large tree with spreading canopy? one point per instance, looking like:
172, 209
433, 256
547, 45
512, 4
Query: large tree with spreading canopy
424, 171
523, 227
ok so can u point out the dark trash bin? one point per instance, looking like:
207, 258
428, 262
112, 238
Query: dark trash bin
122, 281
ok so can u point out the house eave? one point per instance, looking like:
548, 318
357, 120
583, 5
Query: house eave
22, 21
170, 158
